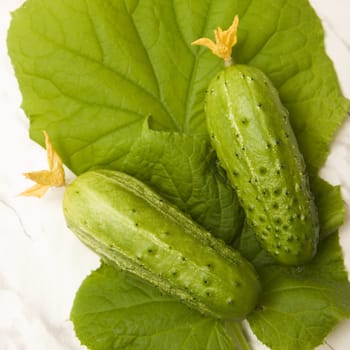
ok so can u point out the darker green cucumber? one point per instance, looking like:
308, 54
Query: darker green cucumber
254, 141
133, 228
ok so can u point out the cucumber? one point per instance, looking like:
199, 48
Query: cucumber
251, 133
134, 229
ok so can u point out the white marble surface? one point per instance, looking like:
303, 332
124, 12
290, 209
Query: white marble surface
42, 264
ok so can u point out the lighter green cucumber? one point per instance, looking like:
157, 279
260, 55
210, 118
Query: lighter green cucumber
133, 228
254, 141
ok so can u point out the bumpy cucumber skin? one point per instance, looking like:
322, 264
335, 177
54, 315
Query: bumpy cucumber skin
130, 226
250, 131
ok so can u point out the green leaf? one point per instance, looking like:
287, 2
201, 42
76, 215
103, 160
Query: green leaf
330, 206
115, 311
182, 168
299, 306
91, 71
250, 248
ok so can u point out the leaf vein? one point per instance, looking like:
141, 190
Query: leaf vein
107, 68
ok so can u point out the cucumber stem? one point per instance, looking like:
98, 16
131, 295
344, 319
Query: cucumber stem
228, 62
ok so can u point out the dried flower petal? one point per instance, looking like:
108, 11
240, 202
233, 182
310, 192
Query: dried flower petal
54, 177
225, 40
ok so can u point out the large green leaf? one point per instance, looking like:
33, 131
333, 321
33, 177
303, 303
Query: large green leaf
300, 305
182, 168
116, 311
90, 71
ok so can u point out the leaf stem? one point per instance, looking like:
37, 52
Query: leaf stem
240, 338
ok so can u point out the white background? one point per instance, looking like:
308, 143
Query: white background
42, 263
